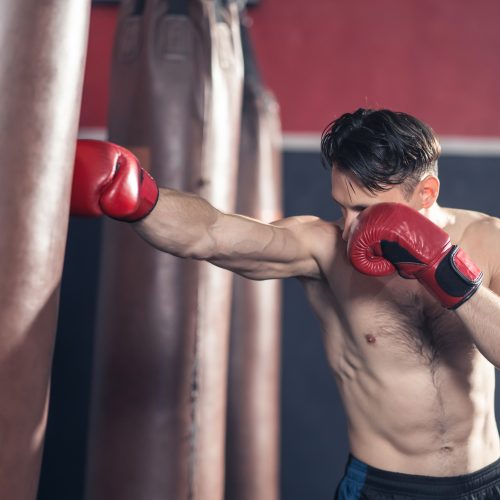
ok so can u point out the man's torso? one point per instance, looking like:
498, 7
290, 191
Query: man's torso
418, 395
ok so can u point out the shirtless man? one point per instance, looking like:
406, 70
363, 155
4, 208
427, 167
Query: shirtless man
414, 359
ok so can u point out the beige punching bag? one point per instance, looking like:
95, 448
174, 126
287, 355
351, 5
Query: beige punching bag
252, 469
41, 75
218, 185
150, 430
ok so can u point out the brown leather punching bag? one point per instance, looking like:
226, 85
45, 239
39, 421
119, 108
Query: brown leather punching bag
148, 427
41, 74
252, 469
141, 418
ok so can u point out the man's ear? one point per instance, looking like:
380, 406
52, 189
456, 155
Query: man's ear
428, 191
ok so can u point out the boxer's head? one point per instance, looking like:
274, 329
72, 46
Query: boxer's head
381, 155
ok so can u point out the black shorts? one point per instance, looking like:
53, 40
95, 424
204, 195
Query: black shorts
363, 482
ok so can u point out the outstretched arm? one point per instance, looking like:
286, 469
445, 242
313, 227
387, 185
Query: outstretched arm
188, 226
109, 180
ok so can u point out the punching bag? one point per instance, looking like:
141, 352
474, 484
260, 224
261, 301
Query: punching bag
149, 384
252, 460
141, 417
41, 75
218, 186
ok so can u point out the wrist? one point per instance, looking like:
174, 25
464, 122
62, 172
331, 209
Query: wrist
454, 279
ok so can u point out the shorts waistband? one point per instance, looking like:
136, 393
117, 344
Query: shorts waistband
422, 485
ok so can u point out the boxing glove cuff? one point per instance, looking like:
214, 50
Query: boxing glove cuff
454, 279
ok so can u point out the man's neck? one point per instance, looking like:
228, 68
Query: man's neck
440, 216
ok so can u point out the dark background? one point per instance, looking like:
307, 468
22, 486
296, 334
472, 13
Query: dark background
313, 445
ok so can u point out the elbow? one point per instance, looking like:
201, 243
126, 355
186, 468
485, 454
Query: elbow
491, 357
495, 363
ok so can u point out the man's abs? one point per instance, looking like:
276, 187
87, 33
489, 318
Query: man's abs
418, 423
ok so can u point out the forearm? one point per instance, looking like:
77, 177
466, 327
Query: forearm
187, 226
481, 315
180, 224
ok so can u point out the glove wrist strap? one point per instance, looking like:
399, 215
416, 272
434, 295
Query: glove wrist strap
454, 279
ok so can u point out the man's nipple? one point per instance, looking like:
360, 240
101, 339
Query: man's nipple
371, 339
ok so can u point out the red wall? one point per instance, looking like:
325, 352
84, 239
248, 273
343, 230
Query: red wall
97, 71
437, 59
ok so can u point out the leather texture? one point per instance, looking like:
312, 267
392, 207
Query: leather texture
252, 463
217, 183
391, 237
159, 390
41, 76
108, 179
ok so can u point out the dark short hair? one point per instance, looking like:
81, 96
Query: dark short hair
381, 148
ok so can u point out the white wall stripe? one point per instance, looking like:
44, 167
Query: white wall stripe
93, 133
470, 146
452, 145
306, 142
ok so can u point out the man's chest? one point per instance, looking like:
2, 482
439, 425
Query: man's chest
388, 318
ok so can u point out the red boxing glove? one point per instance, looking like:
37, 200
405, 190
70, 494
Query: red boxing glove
393, 237
108, 179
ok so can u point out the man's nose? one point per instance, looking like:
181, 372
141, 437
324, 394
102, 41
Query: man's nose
348, 221
345, 233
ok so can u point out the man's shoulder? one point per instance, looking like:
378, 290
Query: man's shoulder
321, 237
479, 236
471, 223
